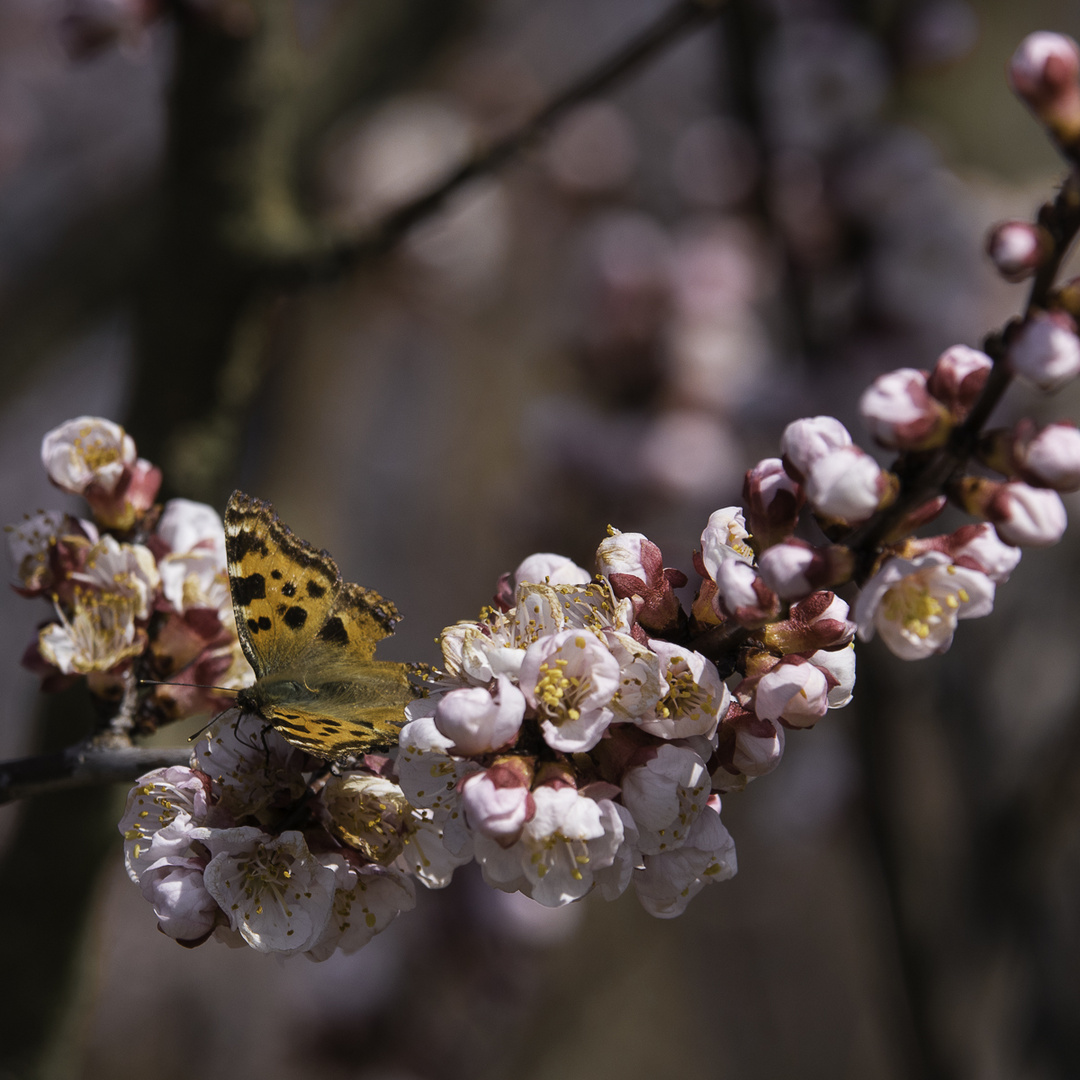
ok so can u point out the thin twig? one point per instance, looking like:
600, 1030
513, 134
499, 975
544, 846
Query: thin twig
380, 238
84, 765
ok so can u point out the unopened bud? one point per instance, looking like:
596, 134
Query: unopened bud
1018, 248
773, 500
1045, 350
958, 378
848, 485
1043, 71
805, 441
900, 413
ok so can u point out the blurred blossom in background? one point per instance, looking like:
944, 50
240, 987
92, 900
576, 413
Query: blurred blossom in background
749, 229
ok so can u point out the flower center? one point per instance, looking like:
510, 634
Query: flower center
557, 693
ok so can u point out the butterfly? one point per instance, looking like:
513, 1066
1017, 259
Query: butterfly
310, 638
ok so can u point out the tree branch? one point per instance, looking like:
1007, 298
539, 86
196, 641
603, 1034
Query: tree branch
340, 256
87, 764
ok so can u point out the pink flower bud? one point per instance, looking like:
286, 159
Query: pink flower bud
1050, 458
1045, 350
818, 622
846, 484
805, 441
958, 378
744, 595
794, 691
497, 803
1018, 248
1043, 72
773, 500
635, 567
1028, 516
479, 722
788, 567
544, 567
747, 746
900, 413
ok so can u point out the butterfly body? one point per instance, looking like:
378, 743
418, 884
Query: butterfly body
310, 638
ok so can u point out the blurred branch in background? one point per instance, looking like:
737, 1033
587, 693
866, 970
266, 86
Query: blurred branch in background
201, 254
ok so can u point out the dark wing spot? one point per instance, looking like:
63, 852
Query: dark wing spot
330, 725
253, 626
243, 543
264, 623
289, 588
295, 617
359, 726
334, 632
246, 589
315, 590
276, 575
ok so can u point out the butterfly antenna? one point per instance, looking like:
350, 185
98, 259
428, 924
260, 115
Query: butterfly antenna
206, 726
198, 686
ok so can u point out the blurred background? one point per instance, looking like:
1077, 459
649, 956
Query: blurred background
746, 229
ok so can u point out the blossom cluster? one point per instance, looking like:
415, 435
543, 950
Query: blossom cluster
580, 733
137, 590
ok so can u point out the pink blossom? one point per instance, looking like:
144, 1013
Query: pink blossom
670, 879
546, 568
805, 441
744, 594
1051, 458
1043, 72
900, 413
978, 546
958, 378
1017, 248
497, 803
773, 500
570, 679
786, 568
184, 908
846, 484
479, 721
1028, 516
1045, 350
795, 691
915, 603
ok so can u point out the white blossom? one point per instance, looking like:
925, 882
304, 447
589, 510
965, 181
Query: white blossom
87, 450
915, 603
694, 699
665, 794
570, 678
275, 893
479, 721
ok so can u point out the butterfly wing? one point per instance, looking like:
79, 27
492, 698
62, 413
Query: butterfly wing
283, 590
310, 637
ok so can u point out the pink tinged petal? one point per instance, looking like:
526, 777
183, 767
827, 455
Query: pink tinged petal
570, 679
497, 805
184, 908
478, 722
437, 844
735, 581
1017, 248
629, 553
1027, 516
980, 548
900, 413
1052, 458
846, 483
546, 568
186, 526
784, 568
1043, 73
806, 441
759, 747
1045, 350
796, 692
959, 377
